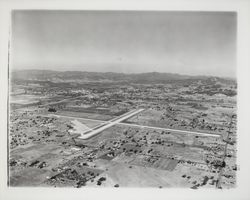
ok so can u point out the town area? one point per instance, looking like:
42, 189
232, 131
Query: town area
83, 129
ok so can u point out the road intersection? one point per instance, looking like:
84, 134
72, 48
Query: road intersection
118, 120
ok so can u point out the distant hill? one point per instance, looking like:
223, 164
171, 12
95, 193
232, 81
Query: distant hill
82, 76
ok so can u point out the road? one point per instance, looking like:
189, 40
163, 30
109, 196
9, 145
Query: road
173, 130
218, 185
118, 120
61, 101
65, 116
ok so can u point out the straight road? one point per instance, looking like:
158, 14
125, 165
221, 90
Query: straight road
61, 101
218, 185
118, 120
173, 130
87, 119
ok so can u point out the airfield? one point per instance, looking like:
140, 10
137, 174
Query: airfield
141, 135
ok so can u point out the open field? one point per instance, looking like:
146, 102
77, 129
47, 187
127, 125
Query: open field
183, 117
25, 99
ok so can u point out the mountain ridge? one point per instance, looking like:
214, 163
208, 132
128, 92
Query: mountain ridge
67, 76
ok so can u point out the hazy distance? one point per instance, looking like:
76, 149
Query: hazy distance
193, 43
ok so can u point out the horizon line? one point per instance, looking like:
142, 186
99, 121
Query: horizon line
199, 75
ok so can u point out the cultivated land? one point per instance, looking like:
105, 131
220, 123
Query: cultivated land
82, 129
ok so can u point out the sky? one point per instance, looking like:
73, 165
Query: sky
193, 43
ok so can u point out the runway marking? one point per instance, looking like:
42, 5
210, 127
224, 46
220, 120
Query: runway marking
118, 120
173, 130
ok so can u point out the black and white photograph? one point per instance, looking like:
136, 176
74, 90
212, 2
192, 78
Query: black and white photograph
123, 99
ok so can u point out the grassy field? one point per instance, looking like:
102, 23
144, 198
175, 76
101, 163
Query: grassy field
85, 115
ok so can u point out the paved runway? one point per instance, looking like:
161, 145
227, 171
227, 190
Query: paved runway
118, 120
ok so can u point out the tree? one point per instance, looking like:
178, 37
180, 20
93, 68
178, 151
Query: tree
52, 110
